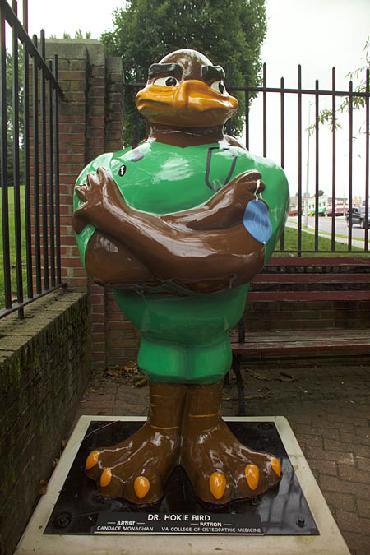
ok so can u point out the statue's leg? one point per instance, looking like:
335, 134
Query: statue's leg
137, 468
220, 468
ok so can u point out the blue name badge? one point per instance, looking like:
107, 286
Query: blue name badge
256, 220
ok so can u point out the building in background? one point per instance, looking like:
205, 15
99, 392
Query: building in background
324, 205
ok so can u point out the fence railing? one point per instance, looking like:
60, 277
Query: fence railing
334, 115
272, 125
30, 243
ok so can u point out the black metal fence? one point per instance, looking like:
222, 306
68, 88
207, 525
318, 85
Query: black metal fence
332, 115
30, 244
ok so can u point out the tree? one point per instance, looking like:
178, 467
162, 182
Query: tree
229, 33
358, 77
78, 35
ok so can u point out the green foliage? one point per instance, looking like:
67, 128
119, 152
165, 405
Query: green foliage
327, 117
358, 77
308, 245
229, 33
78, 35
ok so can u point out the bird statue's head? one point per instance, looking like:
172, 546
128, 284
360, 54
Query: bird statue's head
185, 89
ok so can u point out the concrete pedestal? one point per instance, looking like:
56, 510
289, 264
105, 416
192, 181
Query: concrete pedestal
329, 542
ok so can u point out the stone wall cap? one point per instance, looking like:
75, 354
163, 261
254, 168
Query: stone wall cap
76, 49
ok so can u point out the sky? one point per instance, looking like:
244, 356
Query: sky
317, 34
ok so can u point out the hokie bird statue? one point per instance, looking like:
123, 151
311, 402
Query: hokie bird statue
178, 226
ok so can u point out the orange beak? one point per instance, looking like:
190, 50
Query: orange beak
190, 104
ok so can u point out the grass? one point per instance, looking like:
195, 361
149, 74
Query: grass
12, 244
342, 236
308, 245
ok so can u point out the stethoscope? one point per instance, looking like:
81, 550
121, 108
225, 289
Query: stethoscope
213, 186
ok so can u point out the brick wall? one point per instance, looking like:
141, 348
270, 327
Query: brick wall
91, 122
44, 367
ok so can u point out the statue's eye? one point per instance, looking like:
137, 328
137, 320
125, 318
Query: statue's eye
219, 86
166, 81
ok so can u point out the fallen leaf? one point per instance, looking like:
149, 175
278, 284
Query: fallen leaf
259, 376
140, 381
43, 486
284, 377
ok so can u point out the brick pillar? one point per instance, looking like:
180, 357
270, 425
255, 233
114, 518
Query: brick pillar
91, 122
73, 155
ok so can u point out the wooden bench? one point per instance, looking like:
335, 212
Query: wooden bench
307, 343
304, 281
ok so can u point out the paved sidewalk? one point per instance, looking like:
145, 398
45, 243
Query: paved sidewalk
328, 408
310, 230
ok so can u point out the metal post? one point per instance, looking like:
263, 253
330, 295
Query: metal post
317, 125
299, 161
264, 107
27, 182
56, 176
44, 188
367, 165
307, 165
282, 144
51, 181
3, 166
246, 98
25, 15
16, 174
333, 199
350, 157
36, 168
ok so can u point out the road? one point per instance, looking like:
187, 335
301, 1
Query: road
341, 228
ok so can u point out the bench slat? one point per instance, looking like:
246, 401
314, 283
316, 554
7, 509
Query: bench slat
309, 351
310, 278
310, 343
258, 296
318, 261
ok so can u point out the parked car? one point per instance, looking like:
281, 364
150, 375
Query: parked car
322, 212
339, 211
358, 216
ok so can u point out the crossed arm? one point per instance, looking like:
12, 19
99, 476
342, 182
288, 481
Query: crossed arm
206, 247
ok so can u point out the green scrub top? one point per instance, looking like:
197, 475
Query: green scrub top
185, 338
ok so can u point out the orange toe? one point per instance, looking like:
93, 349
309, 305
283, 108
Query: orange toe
105, 478
92, 460
276, 466
252, 475
217, 484
141, 486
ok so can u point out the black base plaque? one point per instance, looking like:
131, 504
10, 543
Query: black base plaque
80, 509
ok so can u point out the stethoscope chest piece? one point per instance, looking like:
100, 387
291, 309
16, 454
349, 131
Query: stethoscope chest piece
216, 186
